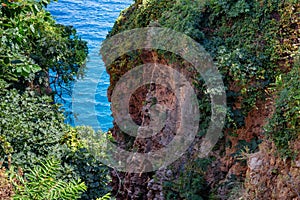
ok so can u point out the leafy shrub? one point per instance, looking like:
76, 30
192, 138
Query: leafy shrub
31, 128
84, 164
32, 43
185, 187
284, 125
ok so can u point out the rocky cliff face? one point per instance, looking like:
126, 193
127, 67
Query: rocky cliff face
252, 44
144, 185
271, 177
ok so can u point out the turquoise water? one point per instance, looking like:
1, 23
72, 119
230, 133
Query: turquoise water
92, 20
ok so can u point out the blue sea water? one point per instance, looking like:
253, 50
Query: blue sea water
92, 20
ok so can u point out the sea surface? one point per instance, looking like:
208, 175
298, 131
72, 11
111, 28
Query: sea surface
92, 20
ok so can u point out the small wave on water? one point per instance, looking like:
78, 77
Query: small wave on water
92, 20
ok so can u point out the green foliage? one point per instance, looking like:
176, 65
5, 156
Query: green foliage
35, 53
42, 183
190, 183
251, 146
105, 197
32, 43
140, 15
83, 163
284, 126
31, 128
184, 16
247, 48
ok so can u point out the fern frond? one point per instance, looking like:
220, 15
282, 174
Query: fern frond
42, 183
105, 197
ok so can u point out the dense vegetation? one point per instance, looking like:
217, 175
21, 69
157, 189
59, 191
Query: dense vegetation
254, 44
40, 156
285, 123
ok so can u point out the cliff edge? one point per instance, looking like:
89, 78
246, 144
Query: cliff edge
254, 45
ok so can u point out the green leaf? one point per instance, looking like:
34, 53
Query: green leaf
32, 28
